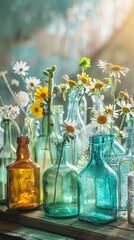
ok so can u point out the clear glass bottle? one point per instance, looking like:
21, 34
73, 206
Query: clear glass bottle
97, 187
7, 155
61, 195
23, 186
125, 167
83, 109
96, 105
58, 118
1, 130
113, 152
131, 197
45, 146
79, 144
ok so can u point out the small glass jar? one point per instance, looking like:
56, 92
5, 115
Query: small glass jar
131, 197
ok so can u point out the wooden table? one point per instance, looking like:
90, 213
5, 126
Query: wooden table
35, 225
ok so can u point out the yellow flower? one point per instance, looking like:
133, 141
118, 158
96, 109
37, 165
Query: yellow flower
41, 93
84, 79
37, 110
99, 85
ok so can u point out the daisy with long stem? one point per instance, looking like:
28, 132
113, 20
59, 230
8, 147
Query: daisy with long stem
69, 132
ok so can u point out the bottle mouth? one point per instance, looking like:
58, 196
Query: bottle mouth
23, 140
96, 139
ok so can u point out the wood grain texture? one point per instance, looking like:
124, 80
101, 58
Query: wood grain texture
71, 227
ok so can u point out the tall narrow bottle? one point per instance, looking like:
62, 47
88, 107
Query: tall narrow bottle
79, 144
23, 179
97, 185
45, 146
125, 167
7, 155
60, 187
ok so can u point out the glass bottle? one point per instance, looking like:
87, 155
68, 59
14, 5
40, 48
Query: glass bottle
23, 179
125, 167
45, 146
96, 105
131, 197
60, 186
113, 152
7, 155
58, 118
97, 187
79, 144
83, 109
1, 130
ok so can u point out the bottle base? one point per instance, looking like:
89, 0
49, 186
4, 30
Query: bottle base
24, 207
97, 218
60, 212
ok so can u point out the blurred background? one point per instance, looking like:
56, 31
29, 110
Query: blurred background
44, 33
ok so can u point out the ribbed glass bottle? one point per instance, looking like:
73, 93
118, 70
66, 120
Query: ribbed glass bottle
131, 197
60, 187
97, 185
45, 146
7, 155
23, 188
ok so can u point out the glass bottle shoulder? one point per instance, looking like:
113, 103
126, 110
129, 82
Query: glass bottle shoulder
24, 164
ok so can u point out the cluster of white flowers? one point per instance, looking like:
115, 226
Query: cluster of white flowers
10, 112
23, 98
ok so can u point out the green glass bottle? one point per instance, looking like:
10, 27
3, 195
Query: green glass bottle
45, 146
97, 186
60, 187
7, 155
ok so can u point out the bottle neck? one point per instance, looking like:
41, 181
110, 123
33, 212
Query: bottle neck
73, 110
58, 119
61, 153
47, 123
96, 153
7, 138
23, 152
130, 145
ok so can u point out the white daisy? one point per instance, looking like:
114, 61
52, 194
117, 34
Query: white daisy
10, 112
69, 129
21, 68
101, 121
126, 108
32, 83
114, 70
23, 98
112, 112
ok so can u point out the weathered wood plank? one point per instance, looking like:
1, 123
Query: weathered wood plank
10, 230
72, 227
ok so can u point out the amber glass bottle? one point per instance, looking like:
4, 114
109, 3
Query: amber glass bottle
23, 179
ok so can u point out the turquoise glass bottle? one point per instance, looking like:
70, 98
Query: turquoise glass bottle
7, 155
60, 187
45, 146
125, 167
113, 152
79, 144
97, 187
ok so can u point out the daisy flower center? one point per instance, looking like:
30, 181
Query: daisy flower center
21, 69
72, 82
99, 85
126, 110
32, 84
70, 128
36, 109
102, 120
109, 111
116, 68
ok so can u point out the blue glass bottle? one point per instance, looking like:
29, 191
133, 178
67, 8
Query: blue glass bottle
60, 186
97, 187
